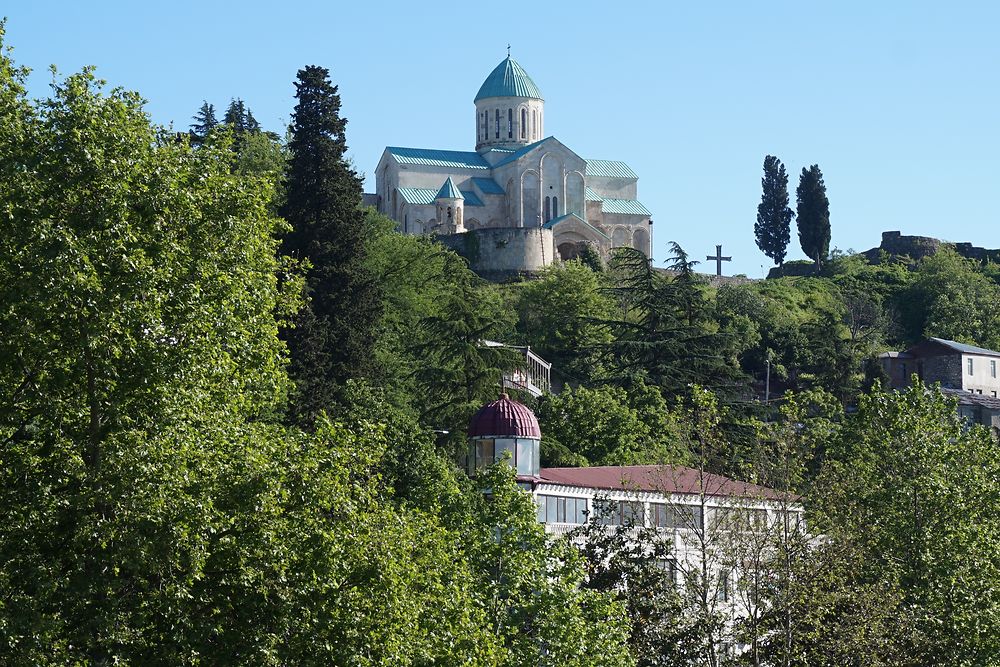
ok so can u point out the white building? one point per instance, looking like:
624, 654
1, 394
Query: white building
705, 517
516, 178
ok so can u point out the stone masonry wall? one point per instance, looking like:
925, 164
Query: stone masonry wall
504, 253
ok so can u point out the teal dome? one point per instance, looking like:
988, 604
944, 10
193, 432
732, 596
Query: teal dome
508, 80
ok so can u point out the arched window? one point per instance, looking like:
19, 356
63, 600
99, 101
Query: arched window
498, 124
555, 207
510, 123
548, 202
524, 121
534, 124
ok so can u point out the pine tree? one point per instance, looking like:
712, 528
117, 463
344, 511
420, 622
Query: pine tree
204, 122
813, 215
335, 333
774, 216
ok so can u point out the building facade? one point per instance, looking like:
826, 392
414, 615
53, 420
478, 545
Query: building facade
532, 186
971, 374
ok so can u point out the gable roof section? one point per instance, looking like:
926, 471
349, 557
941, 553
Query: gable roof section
624, 206
610, 169
436, 158
921, 348
590, 195
471, 198
574, 217
488, 186
656, 479
964, 348
422, 196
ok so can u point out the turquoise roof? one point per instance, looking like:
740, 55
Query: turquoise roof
488, 186
508, 79
609, 169
471, 198
592, 196
417, 195
449, 191
624, 206
436, 158
563, 218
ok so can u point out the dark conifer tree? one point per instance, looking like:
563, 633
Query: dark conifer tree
774, 217
204, 122
813, 215
235, 116
334, 335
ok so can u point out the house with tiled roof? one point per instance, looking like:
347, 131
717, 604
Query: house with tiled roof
969, 373
527, 198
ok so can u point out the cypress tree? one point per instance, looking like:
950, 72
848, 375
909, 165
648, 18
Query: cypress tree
334, 334
774, 217
204, 122
813, 215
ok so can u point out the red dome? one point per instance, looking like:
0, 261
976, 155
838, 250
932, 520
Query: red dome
504, 417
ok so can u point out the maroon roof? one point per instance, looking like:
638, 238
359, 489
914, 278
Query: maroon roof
504, 417
658, 479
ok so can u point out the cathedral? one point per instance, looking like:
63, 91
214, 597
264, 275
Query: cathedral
522, 199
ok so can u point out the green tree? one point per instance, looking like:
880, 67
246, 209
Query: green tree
458, 371
240, 119
333, 336
608, 426
204, 122
952, 298
813, 213
917, 491
531, 587
559, 317
774, 217
138, 283
665, 334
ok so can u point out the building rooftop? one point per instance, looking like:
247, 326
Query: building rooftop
504, 418
437, 158
964, 348
656, 479
508, 79
449, 190
610, 169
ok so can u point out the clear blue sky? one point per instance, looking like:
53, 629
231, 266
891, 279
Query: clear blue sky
898, 102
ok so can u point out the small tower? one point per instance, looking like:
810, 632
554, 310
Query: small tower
510, 111
450, 208
505, 426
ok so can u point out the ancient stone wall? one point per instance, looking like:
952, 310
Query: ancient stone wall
917, 247
504, 253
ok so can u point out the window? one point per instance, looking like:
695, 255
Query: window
561, 509
993, 368
524, 122
555, 207
534, 123
484, 453
620, 512
498, 124
510, 123
547, 204
664, 515
722, 592
970, 365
